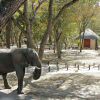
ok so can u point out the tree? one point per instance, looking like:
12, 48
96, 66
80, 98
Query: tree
28, 22
52, 23
7, 9
83, 16
28, 30
8, 33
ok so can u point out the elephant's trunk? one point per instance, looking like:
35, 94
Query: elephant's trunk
37, 72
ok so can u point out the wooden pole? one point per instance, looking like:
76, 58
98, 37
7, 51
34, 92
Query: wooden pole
48, 67
66, 65
98, 67
89, 67
78, 67
57, 66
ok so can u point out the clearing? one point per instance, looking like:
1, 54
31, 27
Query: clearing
72, 84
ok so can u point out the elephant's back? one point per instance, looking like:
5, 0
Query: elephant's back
5, 57
6, 64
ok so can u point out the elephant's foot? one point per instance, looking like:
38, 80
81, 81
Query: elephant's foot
19, 91
7, 87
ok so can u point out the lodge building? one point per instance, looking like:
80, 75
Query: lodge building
89, 39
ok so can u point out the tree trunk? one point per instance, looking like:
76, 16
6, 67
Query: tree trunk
59, 48
51, 24
20, 37
57, 41
80, 46
8, 9
28, 31
48, 31
28, 28
8, 33
82, 42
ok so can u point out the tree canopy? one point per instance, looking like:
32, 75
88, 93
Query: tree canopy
56, 22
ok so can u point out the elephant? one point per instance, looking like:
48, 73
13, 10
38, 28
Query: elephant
17, 60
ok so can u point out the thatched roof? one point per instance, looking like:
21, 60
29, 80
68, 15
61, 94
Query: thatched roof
88, 34
7, 9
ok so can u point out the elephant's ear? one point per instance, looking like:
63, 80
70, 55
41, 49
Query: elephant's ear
26, 54
18, 56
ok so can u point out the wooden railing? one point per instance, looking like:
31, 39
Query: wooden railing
50, 66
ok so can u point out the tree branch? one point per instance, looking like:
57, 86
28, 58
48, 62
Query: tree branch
21, 13
18, 25
40, 3
48, 30
8, 10
62, 10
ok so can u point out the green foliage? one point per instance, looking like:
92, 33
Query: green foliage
70, 23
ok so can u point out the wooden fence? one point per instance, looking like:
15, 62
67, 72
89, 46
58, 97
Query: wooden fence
76, 66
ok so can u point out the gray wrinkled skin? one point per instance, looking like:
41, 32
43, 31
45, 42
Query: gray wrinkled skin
17, 60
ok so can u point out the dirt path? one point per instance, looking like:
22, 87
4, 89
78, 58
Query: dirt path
58, 86
61, 85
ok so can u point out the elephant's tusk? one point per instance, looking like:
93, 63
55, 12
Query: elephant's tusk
37, 67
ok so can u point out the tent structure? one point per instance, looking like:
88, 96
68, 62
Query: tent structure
90, 39
7, 9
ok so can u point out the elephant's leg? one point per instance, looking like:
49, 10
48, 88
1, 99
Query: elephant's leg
20, 75
5, 81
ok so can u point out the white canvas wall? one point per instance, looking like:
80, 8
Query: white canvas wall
92, 43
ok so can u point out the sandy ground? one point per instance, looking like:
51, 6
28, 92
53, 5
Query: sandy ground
62, 84
57, 86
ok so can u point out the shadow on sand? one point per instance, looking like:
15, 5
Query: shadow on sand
67, 87
14, 96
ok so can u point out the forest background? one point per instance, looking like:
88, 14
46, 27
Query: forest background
54, 22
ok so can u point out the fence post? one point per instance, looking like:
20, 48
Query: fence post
89, 67
98, 67
75, 65
93, 64
49, 47
84, 64
66, 65
57, 66
48, 63
78, 67
48, 66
